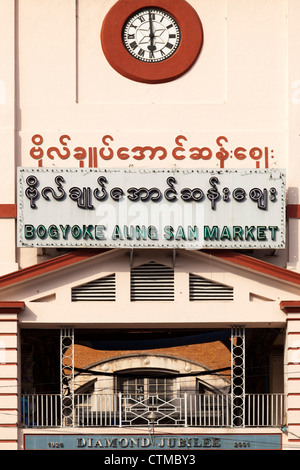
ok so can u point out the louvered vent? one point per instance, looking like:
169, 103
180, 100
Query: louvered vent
153, 282
204, 289
103, 289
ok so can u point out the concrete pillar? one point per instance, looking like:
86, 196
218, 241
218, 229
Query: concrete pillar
9, 383
292, 372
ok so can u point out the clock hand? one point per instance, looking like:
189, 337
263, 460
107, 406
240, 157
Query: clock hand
151, 47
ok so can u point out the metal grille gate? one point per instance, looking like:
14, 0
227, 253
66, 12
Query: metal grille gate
237, 380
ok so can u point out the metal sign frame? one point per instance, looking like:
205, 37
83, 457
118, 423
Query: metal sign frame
151, 208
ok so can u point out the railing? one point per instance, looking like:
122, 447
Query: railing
40, 410
119, 410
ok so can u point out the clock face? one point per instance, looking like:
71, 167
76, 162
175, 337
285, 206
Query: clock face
151, 35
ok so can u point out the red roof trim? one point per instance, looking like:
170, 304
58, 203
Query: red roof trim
257, 266
290, 306
77, 256
48, 266
11, 307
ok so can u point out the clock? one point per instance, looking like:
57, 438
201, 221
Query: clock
151, 41
151, 35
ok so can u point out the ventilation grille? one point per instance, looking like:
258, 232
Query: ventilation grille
103, 289
204, 289
152, 282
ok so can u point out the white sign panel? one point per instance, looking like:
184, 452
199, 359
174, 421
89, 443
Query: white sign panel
151, 208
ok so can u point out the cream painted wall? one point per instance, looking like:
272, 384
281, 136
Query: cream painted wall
293, 126
237, 88
7, 132
55, 81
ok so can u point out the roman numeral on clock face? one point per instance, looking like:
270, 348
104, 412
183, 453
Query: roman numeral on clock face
133, 45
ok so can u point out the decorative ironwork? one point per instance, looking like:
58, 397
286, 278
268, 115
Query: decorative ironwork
117, 410
238, 376
67, 376
152, 410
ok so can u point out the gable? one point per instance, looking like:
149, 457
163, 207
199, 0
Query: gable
134, 286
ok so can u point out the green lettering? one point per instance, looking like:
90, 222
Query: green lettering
41, 231
117, 234
99, 235
87, 232
129, 234
53, 232
273, 229
237, 232
261, 232
168, 232
76, 231
211, 234
64, 231
249, 232
141, 232
225, 235
192, 232
180, 235
152, 233
29, 231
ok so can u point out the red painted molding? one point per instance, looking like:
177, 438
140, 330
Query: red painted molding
256, 265
45, 267
293, 211
11, 307
290, 306
8, 211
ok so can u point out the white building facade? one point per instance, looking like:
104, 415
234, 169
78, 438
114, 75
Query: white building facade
149, 270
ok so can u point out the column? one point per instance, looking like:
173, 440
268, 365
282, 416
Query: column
9, 384
292, 372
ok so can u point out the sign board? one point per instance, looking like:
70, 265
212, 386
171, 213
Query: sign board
184, 442
151, 208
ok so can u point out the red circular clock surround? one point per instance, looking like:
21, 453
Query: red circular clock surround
179, 63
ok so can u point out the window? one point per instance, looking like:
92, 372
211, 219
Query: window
140, 388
